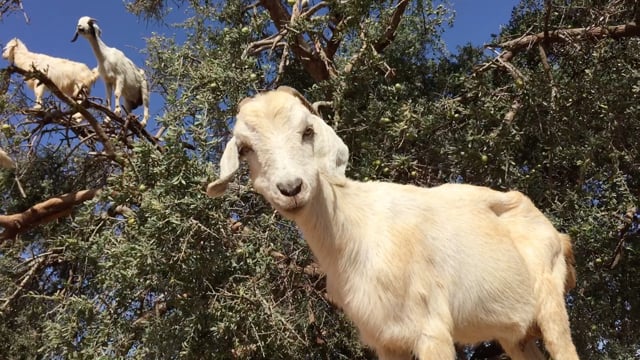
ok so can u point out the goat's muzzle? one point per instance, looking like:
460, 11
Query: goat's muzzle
290, 188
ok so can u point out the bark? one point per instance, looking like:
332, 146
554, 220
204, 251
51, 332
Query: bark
390, 32
43, 212
312, 63
513, 47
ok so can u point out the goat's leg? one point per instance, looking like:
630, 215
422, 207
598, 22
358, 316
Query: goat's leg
38, 90
80, 92
145, 115
552, 318
144, 88
108, 92
516, 351
435, 341
435, 346
117, 92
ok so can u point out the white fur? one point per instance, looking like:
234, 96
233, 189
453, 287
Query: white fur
71, 77
121, 76
416, 269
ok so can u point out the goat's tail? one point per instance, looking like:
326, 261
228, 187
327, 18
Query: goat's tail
95, 74
567, 250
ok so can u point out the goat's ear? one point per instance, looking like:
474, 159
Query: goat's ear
229, 163
94, 24
330, 151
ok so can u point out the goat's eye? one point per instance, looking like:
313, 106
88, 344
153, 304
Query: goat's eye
244, 150
308, 133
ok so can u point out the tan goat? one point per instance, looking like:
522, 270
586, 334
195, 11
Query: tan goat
416, 269
72, 78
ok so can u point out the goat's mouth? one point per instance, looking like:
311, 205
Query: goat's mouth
290, 205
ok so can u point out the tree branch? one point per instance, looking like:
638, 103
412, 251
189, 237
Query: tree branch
43, 212
513, 47
9, 6
301, 49
390, 31
41, 77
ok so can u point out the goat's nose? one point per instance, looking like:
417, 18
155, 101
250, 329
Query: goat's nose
291, 187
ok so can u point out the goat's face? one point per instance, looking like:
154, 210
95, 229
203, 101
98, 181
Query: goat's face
287, 147
8, 52
87, 27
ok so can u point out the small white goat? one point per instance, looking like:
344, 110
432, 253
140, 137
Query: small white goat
73, 78
416, 269
121, 76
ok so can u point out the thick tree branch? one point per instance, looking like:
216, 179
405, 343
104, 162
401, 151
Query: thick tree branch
513, 47
547, 70
301, 49
43, 212
390, 31
542, 39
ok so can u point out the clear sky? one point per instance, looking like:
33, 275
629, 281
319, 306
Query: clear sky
52, 25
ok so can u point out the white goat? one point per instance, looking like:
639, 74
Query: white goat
121, 76
416, 269
73, 78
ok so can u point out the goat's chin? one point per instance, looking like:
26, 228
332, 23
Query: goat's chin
289, 206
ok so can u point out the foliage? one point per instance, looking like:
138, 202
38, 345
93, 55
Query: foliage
151, 268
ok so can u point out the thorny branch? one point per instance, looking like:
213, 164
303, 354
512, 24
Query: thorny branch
301, 49
513, 47
543, 39
316, 52
41, 77
384, 41
88, 135
9, 6
36, 263
103, 133
390, 31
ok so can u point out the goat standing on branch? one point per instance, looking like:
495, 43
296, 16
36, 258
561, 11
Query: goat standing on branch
73, 78
416, 269
121, 76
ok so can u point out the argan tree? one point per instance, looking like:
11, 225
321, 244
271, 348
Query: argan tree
109, 247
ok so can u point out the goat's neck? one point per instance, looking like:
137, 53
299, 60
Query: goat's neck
98, 47
326, 225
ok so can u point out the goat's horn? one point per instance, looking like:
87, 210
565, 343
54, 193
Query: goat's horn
75, 36
297, 94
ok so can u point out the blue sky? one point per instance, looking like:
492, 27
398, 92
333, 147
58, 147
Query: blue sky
52, 25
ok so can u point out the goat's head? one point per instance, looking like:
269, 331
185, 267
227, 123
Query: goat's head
287, 146
87, 27
9, 50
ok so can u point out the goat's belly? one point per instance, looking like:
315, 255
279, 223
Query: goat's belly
486, 332
387, 329
505, 315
